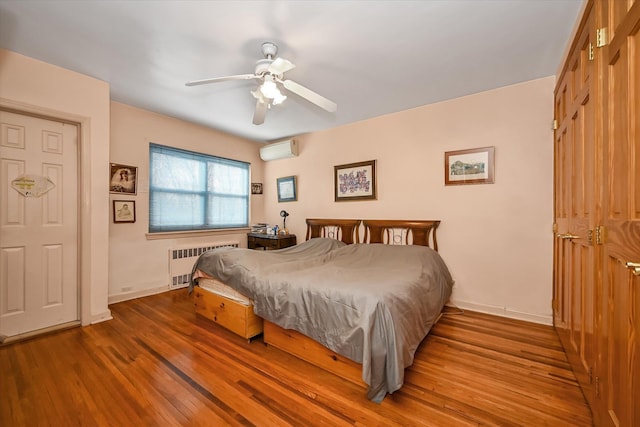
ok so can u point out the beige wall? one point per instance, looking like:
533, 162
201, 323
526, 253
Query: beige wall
36, 87
139, 266
495, 238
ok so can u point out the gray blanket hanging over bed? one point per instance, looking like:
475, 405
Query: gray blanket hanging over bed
371, 303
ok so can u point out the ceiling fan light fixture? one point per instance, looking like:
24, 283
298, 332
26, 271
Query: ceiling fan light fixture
269, 88
279, 98
257, 94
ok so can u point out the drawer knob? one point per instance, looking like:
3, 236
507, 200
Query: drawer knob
221, 305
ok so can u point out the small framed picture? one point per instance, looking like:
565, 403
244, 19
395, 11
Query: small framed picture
287, 189
124, 211
123, 179
472, 166
355, 181
256, 188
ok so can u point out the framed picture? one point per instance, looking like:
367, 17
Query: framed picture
473, 166
355, 181
256, 188
287, 189
124, 211
123, 179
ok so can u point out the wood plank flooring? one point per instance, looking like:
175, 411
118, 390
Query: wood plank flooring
158, 364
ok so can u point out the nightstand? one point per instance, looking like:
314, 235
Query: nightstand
270, 241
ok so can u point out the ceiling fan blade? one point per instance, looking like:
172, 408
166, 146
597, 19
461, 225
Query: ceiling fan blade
222, 79
280, 66
260, 113
310, 96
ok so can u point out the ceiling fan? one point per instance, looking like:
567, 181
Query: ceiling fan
270, 72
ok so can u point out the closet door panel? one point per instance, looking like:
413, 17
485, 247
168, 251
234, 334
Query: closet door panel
575, 205
619, 369
562, 204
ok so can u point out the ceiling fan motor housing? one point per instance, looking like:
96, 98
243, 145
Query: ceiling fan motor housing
269, 50
262, 66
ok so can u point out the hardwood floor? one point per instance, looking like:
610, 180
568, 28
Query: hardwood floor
158, 364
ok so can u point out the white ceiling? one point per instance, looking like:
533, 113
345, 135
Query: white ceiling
370, 57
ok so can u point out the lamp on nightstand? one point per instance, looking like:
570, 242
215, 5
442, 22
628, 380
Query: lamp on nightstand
284, 215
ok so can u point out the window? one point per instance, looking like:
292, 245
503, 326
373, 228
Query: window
192, 191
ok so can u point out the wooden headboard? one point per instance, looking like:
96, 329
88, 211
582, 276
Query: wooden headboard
401, 232
391, 232
346, 230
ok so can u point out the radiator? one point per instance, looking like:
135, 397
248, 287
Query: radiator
181, 261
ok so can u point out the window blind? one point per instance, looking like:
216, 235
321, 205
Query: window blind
193, 191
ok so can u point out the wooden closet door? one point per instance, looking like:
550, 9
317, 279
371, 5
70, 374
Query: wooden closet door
619, 367
575, 205
562, 201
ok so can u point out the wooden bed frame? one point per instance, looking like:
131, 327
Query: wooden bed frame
417, 232
421, 233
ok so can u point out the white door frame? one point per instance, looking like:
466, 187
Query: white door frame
84, 193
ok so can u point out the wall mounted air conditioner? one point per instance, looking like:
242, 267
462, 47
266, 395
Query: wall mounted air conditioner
279, 150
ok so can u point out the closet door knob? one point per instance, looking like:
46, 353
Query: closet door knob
567, 236
635, 266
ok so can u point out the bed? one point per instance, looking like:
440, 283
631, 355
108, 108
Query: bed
358, 307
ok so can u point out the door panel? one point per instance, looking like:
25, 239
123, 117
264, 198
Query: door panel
53, 275
597, 211
562, 202
13, 205
619, 363
38, 235
575, 202
12, 265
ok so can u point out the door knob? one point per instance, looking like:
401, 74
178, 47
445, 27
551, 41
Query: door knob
567, 236
635, 266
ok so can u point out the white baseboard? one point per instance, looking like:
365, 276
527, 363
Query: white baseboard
97, 318
482, 308
503, 312
125, 296
39, 332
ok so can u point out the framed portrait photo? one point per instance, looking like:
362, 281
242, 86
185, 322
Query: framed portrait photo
355, 181
472, 166
256, 188
123, 179
124, 211
287, 189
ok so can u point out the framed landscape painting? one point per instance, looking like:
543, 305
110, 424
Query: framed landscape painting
472, 166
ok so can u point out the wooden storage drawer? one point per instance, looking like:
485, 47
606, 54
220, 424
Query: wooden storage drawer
236, 317
305, 348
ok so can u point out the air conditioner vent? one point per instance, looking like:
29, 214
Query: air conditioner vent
279, 150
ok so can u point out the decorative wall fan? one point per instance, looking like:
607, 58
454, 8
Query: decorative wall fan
270, 72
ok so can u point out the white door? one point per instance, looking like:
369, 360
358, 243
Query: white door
38, 233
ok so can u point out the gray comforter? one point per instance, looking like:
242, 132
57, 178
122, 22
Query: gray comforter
371, 303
